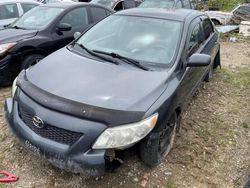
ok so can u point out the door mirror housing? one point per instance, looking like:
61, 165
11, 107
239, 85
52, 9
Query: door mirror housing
77, 35
64, 27
199, 60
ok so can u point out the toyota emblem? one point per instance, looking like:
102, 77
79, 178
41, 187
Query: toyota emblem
38, 122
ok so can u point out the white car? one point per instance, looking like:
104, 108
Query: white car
10, 10
54, 1
241, 12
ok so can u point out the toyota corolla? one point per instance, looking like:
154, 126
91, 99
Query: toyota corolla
125, 81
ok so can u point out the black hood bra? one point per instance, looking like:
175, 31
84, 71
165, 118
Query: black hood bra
109, 117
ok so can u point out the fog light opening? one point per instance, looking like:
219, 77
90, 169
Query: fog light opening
113, 160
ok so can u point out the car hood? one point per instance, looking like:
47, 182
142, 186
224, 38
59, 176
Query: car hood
102, 84
15, 35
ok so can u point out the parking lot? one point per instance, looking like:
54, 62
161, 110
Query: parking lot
212, 148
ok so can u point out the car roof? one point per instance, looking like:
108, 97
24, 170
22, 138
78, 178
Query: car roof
18, 1
68, 5
170, 14
65, 5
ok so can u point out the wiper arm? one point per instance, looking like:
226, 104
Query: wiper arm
96, 55
16, 27
128, 60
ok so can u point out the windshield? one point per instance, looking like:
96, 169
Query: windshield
107, 3
148, 40
160, 4
37, 18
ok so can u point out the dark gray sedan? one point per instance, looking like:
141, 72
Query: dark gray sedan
126, 81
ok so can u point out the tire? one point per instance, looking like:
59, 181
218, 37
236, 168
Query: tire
157, 145
31, 60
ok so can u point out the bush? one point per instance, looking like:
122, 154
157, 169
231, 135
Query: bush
224, 4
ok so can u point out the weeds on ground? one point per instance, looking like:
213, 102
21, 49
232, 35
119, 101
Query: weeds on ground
2, 186
238, 77
170, 184
245, 125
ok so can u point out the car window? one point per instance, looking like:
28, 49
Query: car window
186, 4
119, 6
80, 14
26, 7
161, 4
178, 4
196, 40
243, 10
98, 13
106, 3
8, 11
129, 4
207, 27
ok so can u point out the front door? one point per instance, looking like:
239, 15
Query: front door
78, 19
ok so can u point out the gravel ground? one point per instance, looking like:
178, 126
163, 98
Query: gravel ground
211, 150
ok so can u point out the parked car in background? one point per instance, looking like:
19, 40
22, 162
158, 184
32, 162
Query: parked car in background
238, 14
41, 31
118, 5
10, 10
166, 4
53, 1
125, 81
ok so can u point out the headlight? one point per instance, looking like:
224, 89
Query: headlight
14, 87
125, 135
5, 47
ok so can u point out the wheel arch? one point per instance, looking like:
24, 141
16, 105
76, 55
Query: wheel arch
27, 50
215, 20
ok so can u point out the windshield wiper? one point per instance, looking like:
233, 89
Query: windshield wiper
96, 55
127, 59
16, 27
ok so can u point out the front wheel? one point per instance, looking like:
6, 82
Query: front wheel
31, 60
157, 145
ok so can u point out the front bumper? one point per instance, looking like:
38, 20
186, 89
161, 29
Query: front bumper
76, 158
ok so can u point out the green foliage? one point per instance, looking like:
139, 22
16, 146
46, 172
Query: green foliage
226, 5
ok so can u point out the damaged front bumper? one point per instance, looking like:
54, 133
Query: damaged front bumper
77, 157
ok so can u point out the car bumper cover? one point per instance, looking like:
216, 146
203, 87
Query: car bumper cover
90, 162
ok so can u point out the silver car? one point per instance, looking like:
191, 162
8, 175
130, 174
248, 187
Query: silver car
10, 10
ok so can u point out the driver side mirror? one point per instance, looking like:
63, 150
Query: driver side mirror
199, 60
64, 27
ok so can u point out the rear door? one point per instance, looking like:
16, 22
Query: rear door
211, 44
79, 20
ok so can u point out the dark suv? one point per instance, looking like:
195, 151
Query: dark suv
41, 31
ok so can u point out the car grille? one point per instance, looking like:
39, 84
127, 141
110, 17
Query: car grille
49, 131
